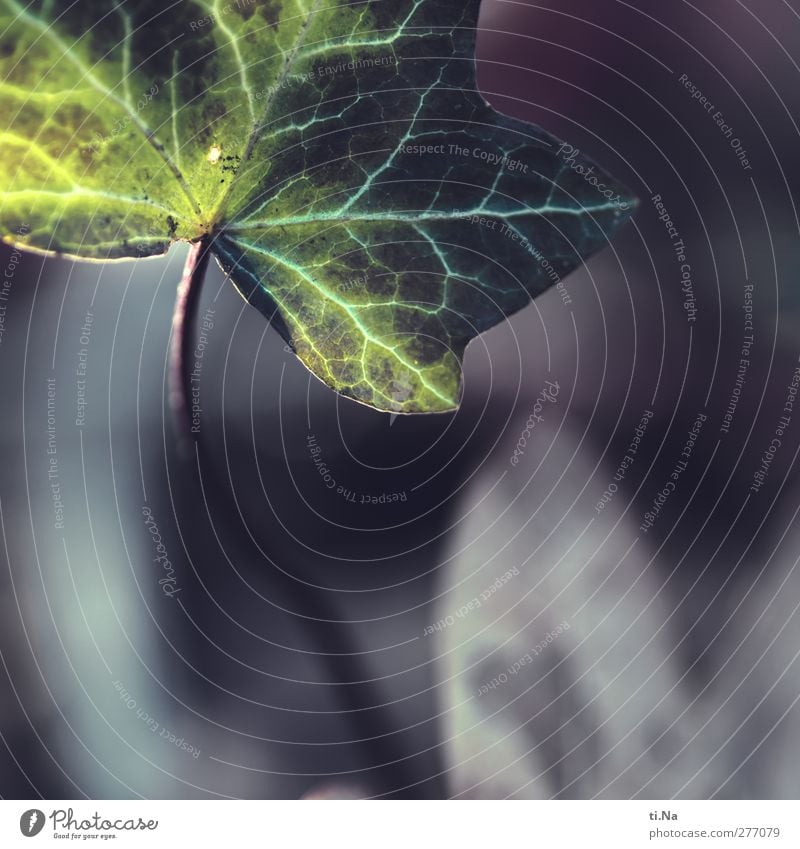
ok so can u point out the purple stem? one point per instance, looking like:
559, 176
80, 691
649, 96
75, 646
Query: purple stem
183, 319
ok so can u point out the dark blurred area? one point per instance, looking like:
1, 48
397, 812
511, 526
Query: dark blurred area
282, 645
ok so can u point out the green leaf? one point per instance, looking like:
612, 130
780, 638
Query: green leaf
336, 155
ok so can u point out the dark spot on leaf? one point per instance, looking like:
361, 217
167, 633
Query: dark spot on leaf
213, 111
270, 11
96, 24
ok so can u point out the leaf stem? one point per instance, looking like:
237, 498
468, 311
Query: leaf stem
183, 318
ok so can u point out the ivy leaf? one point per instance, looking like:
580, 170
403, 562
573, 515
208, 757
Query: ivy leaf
335, 156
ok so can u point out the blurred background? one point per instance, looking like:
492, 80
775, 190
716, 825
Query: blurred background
209, 618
